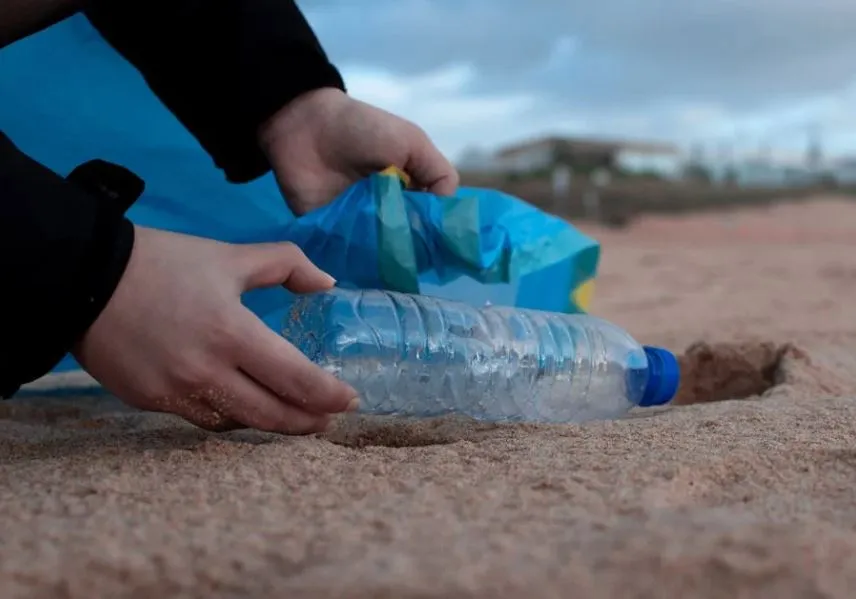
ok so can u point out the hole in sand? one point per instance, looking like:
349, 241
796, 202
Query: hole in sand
719, 372
357, 432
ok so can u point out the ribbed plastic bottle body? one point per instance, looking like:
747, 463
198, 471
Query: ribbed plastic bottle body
420, 356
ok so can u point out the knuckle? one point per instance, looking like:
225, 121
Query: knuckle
454, 176
193, 375
292, 250
420, 136
328, 394
223, 332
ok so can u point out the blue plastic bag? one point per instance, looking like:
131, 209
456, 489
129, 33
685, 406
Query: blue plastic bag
67, 97
480, 245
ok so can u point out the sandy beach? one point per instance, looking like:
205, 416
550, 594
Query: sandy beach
745, 488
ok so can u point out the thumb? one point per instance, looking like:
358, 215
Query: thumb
272, 264
428, 167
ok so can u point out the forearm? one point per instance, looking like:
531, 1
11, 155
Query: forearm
223, 67
63, 250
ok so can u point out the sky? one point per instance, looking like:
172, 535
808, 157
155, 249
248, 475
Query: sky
732, 75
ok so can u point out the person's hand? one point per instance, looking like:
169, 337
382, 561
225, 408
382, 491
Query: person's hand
175, 337
324, 141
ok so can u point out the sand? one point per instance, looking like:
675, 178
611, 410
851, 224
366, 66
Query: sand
745, 489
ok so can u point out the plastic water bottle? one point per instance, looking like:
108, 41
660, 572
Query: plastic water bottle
419, 356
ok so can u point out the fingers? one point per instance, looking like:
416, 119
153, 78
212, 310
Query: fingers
237, 402
429, 168
283, 369
195, 409
272, 264
242, 400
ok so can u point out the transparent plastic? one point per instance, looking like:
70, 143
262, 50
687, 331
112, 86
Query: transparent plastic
420, 356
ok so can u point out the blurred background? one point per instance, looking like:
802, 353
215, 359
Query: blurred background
608, 109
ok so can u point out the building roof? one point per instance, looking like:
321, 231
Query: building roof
586, 145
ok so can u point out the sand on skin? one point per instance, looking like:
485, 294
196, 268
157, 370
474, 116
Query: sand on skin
752, 497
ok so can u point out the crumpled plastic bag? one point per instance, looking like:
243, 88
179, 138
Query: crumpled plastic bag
480, 245
66, 97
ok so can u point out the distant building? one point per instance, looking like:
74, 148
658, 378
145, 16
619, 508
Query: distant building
768, 173
587, 154
477, 160
758, 173
664, 161
530, 156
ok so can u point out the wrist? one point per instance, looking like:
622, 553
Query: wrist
306, 111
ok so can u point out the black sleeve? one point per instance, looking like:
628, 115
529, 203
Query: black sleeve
20, 18
222, 67
64, 246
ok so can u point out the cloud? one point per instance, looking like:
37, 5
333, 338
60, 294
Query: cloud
675, 69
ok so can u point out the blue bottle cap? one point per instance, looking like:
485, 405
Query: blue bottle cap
664, 375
